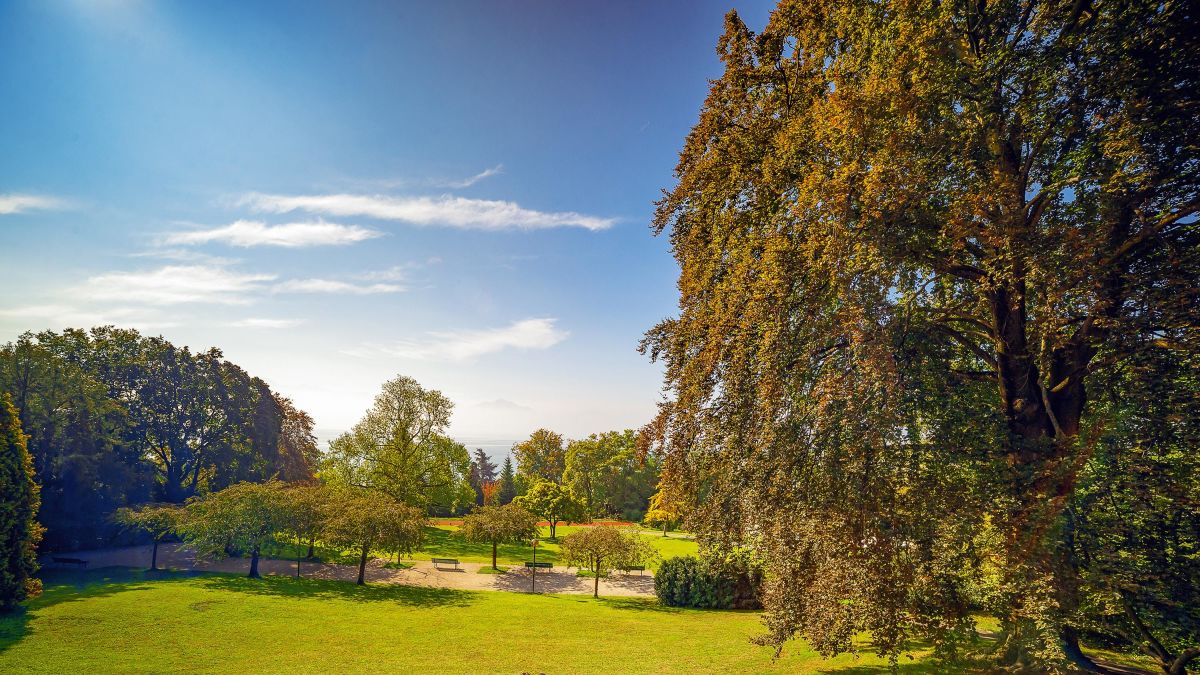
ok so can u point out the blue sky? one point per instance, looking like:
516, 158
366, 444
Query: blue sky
338, 193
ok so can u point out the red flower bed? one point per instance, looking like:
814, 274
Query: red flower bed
606, 523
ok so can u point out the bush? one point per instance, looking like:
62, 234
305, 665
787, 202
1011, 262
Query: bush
732, 582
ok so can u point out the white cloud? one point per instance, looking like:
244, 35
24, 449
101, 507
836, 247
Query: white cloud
448, 211
469, 344
468, 182
56, 317
333, 286
246, 233
176, 284
266, 323
19, 203
503, 405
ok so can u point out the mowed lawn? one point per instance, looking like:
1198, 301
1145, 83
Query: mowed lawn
444, 541
117, 620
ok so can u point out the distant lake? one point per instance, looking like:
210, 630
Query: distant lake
496, 448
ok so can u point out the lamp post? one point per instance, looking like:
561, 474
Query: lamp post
533, 577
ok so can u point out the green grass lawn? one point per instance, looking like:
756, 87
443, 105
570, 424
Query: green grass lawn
115, 620
443, 541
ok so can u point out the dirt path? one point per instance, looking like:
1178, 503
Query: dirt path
422, 573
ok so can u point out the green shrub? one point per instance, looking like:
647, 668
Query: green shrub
712, 583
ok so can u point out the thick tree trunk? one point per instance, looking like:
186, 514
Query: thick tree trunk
552, 524
254, 564
362, 565
494, 556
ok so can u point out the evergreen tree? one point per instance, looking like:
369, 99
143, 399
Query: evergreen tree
18, 507
508, 485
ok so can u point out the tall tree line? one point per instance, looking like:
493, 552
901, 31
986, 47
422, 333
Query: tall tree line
115, 418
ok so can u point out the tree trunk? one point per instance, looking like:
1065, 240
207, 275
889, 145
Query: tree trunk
254, 564
154, 557
596, 585
311, 543
362, 565
297, 566
552, 524
664, 529
494, 556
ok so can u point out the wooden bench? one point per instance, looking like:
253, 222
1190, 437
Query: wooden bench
633, 568
540, 565
444, 561
71, 561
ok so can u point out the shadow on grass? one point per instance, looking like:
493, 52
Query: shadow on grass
321, 589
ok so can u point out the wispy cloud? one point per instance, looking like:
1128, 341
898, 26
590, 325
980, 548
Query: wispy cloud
266, 323
333, 286
470, 344
503, 405
19, 203
468, 182
246, 233
447, 211
177, 284
57, 316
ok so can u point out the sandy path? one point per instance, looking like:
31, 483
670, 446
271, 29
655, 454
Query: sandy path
422, 573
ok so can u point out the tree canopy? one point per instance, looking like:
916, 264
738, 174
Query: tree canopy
541, 456
366, 520
552, 503
400, 448
499, 524
18, 510
242, 518
915, 240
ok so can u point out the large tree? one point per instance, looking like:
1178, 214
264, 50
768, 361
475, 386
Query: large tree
18, 511
541, 456
552, 503
609, 475
400, 448
912, 238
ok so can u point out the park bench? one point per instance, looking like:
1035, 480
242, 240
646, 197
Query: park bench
437, 562
540, 565
71, 561
633, 568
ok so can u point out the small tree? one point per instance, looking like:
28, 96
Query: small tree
244, 516
19, 500
491, 493
552, 503
157, 520
662, 512
306, 507
601, 549
367, 520
499, 524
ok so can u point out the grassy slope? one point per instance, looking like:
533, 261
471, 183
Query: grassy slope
117, 621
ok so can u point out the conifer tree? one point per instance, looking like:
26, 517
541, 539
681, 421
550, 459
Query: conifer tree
508, 484
18, 511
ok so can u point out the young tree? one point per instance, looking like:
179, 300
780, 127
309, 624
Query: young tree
552, 503
245, 517
491, 493
18, 513
601, 549
157, 520
912, 237
541, 456
369, 520
508, 486
400, 448
662, 513
498, 525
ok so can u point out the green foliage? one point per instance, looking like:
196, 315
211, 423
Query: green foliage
913, 240
541, 457
157, 520
18, 511
552, 503
710, 583
499, 524
368, 520
117, 418
508, 486
606, 473
400, 448
602, 549
244, 517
